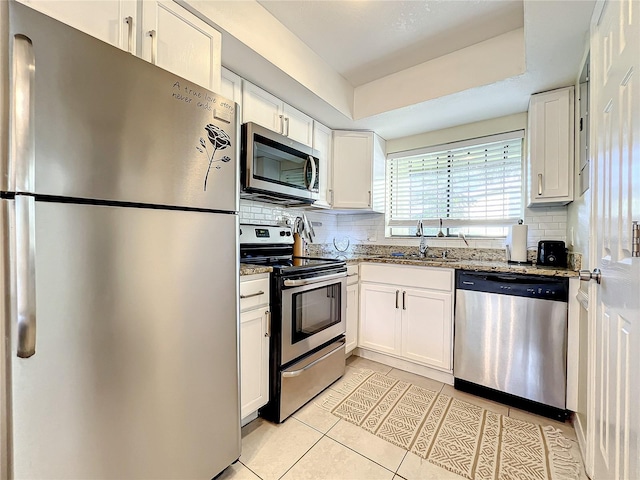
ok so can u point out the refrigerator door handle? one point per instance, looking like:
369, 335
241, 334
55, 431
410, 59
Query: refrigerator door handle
22, 106
25, 275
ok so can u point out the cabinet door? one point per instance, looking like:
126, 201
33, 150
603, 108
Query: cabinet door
427, 320
261, 107
351, 175
352, 317
322, 143
380, 318
175, 39
297, 125
107, 20
231, 86
551, 147
254, 360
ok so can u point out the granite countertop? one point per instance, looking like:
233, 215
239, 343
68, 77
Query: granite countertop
476, 265
248, 269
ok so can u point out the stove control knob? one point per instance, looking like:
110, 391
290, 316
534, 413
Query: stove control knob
288, 233
282, 233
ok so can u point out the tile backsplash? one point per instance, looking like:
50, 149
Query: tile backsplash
545, 223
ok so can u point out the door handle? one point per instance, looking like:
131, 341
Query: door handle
586, 275
539, 184
129, 22
314, 171
267, 332
25, 276
259, 292
397, 296
154, 46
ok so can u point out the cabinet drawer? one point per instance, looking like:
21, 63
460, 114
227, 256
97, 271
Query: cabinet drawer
352, 274
432, 278
254, 293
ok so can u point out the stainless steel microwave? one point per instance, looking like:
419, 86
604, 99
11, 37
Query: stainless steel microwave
276, 169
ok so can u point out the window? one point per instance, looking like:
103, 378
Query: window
474, 186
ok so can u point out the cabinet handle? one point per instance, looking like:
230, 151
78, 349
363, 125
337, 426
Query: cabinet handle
259, 292
539, 184
369, 197
397, 295
267, 332
286, 122
404, 300
129, 22
154, 46
281, 124
331, 195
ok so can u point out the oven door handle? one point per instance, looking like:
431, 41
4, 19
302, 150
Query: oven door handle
309, 281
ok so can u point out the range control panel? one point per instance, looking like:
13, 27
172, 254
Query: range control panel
265, 234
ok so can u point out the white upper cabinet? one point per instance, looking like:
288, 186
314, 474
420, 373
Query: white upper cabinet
260, 107
176, 40
297, 125
358, 171
322, 143
165, 34
550, 155
231, 86
112, 21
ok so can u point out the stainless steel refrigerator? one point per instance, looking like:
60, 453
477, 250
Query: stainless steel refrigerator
119, 256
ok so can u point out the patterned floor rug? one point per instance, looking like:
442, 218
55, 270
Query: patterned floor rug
456, 435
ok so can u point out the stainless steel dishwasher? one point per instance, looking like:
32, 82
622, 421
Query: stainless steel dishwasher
510, 339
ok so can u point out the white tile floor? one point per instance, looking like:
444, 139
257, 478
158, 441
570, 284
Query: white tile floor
314, 444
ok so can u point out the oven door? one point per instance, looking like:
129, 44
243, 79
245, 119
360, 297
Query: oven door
313, 313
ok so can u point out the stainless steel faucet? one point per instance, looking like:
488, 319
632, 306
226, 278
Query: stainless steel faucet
422, 249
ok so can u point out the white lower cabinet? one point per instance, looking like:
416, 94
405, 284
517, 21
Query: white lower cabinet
407, 312
353, 307
255, 320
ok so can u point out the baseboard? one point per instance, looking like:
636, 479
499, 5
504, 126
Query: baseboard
581, 435
249, 418
405, 365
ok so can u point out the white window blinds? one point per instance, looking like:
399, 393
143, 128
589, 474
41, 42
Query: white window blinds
472, 183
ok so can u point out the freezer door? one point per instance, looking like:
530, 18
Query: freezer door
135, 371
92, 121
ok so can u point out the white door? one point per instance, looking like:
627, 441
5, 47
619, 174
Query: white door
254, 360
322, 143
297, 125
175, 39
426, 327
352, 157
352, 317
615, 316
112, 21
380, 318
261, 107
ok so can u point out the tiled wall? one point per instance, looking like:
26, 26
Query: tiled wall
548, 223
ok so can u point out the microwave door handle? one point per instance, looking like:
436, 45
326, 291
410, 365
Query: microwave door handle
304, 174
314, 172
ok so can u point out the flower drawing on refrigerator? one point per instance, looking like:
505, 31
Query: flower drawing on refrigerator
219, 141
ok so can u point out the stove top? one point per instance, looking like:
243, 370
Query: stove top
272, 246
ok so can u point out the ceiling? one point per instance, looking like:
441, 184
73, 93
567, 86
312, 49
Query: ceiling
367, 40
409, 67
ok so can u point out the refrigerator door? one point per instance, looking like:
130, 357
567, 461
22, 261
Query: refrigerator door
135, 371
92, 121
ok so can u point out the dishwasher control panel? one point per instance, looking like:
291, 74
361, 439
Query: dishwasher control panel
521, 285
